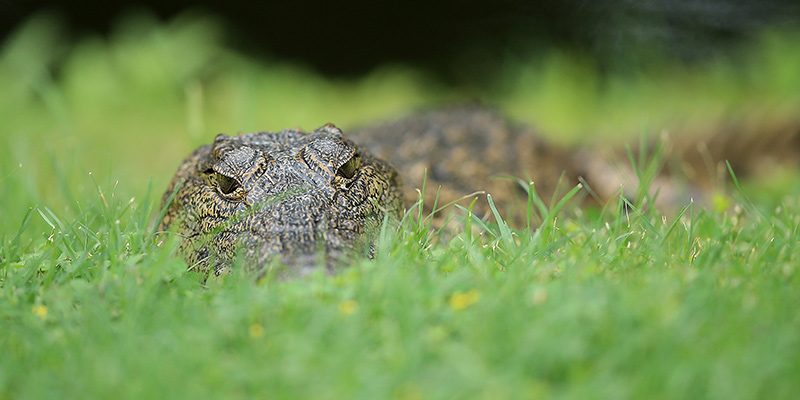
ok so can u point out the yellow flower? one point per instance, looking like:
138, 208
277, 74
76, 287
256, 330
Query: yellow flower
461, 300
40, 311
720, 202
539, 296
256, 331
348, 307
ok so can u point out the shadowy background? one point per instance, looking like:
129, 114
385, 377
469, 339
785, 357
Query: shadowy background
460, 42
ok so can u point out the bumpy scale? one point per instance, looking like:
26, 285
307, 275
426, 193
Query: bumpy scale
304, 199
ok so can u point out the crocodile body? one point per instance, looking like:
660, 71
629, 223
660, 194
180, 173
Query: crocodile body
458, 151
307, 199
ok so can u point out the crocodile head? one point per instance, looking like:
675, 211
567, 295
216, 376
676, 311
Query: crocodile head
296, 198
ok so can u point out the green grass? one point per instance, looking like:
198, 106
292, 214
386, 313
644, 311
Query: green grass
756, 91
614, 303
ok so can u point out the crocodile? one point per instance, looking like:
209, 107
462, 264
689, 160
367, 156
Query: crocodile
291, 196
308, 199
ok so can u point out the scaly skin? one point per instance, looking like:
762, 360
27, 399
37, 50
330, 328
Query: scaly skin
291, 196
461, 150
313, 198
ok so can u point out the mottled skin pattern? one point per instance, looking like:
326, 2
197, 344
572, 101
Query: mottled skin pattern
305, 199
312, 198
458, 151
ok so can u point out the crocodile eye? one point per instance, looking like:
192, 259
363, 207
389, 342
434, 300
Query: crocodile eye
226, 184
349, 169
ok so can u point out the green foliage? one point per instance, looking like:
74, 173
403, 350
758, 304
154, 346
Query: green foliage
758, 90
623, 305
621, 302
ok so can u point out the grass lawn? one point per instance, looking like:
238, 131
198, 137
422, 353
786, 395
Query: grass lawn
614, 303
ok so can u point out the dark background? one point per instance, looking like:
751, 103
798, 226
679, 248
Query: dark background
457, 40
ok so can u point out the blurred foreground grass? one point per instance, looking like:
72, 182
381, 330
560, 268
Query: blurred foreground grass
611, 304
